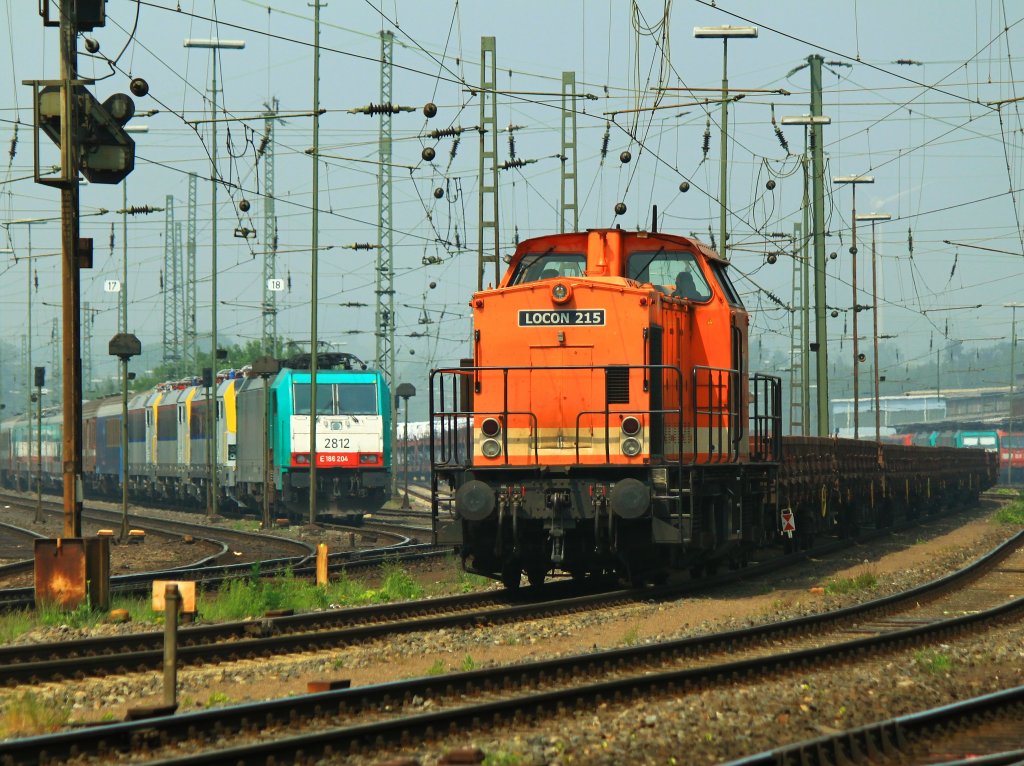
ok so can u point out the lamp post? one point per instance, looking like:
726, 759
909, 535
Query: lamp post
124, 346
38, 396
28, 294
266, 367
853, 181
725, 33
314, 276
216, 44
875, 218
1013, 384
815, 122
405, 391
122, 304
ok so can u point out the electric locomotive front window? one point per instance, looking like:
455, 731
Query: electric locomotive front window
664, 268
324, 398
357, 399
548, 265
337, 398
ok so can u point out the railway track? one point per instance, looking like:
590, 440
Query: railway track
16, 544
953, 735
273, 635
229, 553
374, 718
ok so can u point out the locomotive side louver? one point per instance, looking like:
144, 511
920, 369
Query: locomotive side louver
616, 384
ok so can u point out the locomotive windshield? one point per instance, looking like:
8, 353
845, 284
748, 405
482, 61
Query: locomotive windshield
548, 265
337, 398
666, 267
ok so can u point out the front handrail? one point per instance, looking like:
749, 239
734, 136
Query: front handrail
714, 424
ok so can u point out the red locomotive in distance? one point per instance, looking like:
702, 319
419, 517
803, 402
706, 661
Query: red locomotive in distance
608, 423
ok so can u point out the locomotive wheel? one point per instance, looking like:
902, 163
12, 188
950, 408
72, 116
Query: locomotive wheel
510, 577
536, 576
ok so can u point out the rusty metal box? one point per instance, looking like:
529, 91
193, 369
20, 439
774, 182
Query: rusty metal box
72, 570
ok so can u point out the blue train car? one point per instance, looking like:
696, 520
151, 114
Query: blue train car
353, 437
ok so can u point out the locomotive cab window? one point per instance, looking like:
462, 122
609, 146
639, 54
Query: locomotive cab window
721, 273
536, 266
675, 273
324, 398
337, 398
357, 399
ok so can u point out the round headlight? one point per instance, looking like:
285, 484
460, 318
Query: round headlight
490, 427
631, 447
630, 426
491, 448
560, 292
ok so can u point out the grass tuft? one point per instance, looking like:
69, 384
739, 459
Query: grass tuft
933, 662
866, 581
27, 715
1011, 513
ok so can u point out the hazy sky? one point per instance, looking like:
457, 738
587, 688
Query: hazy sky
946, 160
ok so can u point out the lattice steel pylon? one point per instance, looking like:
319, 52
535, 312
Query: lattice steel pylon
270, 344
797, 337
385, 326
488, 177
568, 156
87, 328
56, 379
189, 302
172, 288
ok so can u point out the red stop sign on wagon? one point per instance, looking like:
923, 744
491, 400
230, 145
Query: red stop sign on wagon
788, 524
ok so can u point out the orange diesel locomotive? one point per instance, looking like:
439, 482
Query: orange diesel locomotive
607, 421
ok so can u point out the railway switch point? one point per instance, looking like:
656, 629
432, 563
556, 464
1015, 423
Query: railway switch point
313, 687
137, 536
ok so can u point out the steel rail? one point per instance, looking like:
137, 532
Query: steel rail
217, 724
